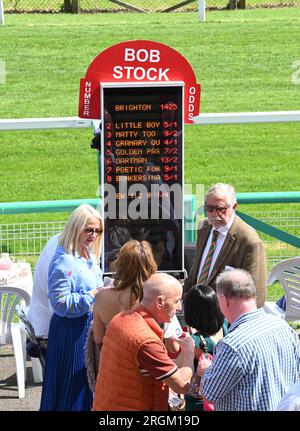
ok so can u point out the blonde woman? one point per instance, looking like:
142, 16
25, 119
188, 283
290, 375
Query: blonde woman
74, 277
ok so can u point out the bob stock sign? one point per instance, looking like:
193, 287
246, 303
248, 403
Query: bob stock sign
139, 61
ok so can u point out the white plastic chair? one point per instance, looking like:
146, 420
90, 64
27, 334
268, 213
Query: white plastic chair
14, 333
38, 364
287, 273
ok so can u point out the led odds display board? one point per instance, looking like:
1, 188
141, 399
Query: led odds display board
143, 92
142, 169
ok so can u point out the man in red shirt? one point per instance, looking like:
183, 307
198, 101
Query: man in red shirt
135, 370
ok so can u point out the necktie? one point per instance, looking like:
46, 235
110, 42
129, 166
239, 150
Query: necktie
206, 266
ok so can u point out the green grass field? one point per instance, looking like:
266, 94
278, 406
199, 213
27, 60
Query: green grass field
242, 59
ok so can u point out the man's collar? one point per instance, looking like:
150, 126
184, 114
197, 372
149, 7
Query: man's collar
245, 317
224, 229
145, 313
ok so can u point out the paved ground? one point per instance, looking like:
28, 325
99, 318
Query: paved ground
9, 400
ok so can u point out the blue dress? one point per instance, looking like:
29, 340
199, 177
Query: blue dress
71, 278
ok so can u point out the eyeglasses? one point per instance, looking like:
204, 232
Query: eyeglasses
91, 230
219, 210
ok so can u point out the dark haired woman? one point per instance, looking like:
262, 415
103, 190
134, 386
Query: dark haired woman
202, 312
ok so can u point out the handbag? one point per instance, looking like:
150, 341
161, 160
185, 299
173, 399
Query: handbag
195, 381
91, 357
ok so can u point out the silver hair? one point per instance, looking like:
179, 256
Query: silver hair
236, 283
226, 190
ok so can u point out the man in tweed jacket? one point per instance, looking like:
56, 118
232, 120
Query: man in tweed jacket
237, 245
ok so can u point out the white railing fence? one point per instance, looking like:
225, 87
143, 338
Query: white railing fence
199, 120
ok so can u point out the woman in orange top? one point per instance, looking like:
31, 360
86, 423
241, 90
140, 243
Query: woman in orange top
133, 266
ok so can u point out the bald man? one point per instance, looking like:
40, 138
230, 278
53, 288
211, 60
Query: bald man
135, 370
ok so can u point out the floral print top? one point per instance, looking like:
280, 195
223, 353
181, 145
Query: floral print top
71, 278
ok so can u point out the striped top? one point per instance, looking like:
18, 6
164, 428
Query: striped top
254, 364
